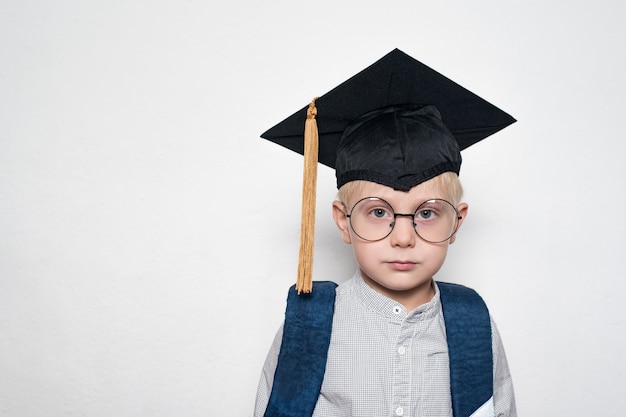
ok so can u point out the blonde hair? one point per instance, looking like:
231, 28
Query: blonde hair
448, 182
349, 189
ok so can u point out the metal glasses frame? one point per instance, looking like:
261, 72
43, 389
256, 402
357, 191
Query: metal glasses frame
411, 215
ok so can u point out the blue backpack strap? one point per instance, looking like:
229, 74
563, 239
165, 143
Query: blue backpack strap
468, 331
303, 351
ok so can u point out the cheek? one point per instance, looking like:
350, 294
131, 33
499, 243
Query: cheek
363, 251
370, 256
436, 255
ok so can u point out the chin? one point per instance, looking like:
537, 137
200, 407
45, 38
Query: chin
399, 285
406, 288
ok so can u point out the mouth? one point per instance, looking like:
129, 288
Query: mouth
402, 265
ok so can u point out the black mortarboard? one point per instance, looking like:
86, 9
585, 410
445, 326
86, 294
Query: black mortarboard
397, 122
395, 79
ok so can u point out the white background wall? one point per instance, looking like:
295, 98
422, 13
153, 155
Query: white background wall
148, 235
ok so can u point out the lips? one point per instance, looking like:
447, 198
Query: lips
402, 265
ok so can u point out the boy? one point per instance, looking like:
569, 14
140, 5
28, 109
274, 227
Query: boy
391, 341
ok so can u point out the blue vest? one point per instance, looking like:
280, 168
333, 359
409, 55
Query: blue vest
306, 338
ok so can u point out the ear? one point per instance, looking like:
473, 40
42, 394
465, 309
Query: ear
341, 219
462, 209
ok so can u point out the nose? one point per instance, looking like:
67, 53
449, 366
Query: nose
403, 233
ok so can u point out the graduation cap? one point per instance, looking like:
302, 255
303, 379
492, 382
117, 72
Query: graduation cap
397, 123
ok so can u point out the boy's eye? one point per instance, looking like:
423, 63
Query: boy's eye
379, 213
425, 214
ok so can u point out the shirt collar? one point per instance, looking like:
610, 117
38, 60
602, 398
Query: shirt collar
390, 308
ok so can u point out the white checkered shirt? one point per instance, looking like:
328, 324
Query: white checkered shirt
385, 361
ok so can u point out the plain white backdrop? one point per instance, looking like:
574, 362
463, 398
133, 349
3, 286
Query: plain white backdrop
148, 235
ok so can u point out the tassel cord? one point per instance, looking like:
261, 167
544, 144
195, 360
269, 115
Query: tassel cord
304, 282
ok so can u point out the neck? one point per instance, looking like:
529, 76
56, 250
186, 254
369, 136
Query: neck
410, 298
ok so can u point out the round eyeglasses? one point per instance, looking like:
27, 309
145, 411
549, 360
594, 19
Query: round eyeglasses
435, 220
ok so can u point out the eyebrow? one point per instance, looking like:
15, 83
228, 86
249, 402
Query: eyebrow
416, 205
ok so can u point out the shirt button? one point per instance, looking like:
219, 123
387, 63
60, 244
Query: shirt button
399, 411
401, 350
397, 310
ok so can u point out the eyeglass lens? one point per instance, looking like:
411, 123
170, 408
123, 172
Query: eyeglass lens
434, 220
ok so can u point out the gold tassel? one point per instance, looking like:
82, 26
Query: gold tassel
304, 283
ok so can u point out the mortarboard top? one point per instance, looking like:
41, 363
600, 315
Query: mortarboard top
395, 79
397, 122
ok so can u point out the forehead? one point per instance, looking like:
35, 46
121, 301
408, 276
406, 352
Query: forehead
419, 193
